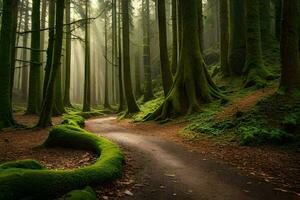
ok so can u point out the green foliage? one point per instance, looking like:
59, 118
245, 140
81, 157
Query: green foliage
85, 194
25, 179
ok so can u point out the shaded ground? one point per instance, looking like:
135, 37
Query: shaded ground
167, 170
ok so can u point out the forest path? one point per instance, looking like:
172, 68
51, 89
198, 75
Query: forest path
167, 170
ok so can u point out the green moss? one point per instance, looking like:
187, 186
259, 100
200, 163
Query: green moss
74, 120
22, 164
16, 183
85, 194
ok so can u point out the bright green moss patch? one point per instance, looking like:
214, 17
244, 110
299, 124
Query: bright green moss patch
18, 180
74, 120
85, 194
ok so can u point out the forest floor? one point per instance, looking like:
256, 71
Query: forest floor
168, 162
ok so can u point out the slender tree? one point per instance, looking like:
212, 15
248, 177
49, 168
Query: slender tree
224, 23
237, 45
290, 35
87, 65
67, 101
35, 96
148, 93
120, 66
106, 90
6, 118
138, 90
278, 17
46, 112
130, 99
193, 85
167, 78
24, 86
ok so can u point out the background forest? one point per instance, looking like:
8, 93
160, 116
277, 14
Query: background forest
224, 70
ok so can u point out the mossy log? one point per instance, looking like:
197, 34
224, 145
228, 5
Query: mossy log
17, 181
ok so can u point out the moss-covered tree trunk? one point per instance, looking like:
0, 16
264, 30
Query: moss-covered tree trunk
290, 77
35, 83
148, 93
193, 85
237, 44
175, 37
67, 101
87, 64
24, 85
46, 112
167, 78
6, 118
254, 66
130, 99
224, 24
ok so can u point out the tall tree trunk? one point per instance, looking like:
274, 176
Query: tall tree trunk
130, 99
114, 49
148, 93
201, 25
35, 96
265, 23
67, 101
278, 18
24, 86
87, 65
50, 45
46, 112
138, 91
166, 73
43, 34
6, 118
58, 108
237, 45
106, 92
254, 66
193, 85
13, 44
175, 37
290, 35
120, 67
224, 25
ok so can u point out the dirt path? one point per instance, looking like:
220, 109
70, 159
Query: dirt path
167, 170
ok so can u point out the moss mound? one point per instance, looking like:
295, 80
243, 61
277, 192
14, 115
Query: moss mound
85, 194
27, 179
74, 120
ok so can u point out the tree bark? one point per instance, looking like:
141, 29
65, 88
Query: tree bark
130, 99
254, 66
224, 25
67, 101
237, 46
193, 85
46, 112
6, 118
24, 86
87, 65
175, 37
148, 93
167, 78
290, 34
35, 84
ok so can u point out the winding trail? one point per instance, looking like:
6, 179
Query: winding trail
168, 171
